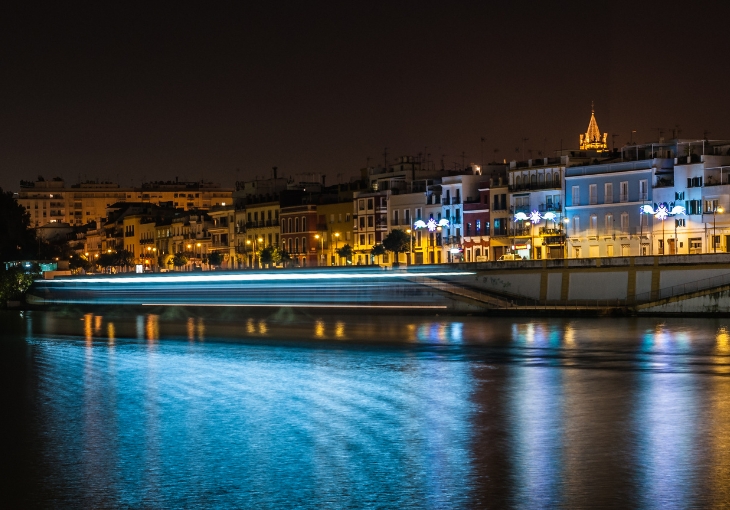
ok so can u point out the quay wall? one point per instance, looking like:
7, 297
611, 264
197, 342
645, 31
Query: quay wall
625, 279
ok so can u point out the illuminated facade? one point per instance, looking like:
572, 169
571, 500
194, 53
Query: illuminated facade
592, 140
52, 201
334, 226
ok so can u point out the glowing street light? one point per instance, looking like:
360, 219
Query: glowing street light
714, 223
410, 253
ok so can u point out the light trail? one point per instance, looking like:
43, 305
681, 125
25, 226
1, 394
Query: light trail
300, 305
256, 277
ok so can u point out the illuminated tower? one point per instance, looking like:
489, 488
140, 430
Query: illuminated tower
592, 139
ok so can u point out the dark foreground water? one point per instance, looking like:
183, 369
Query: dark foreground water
174, 410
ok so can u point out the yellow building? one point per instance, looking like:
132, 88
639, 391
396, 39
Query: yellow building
53, 201
334, 226
257, 227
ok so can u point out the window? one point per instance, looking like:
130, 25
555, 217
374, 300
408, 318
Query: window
362, 221
371, 239
304, 224
679, 195
304, 244
361, 205
477, 227
592, 194
608, 193
608, 224
332, 218
594, 224
468, 229
370, 203
680, 222
711, 205
395, 217
576, 195
625, 223
549, 180
407, 216
371, 221
296, 245
576, 225
418, 214
296, 224
643, 189
362, 239
624, 191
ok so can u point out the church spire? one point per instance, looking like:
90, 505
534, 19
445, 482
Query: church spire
592, 139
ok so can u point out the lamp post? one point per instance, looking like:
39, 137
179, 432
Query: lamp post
256, 247
248, 246
714, 225
321, 248
410, 253
337, 243
565, 237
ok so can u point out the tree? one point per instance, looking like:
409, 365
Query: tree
397, 241
215, 259
179, 260
106, 260
345, 253
285, 258
79, 262
270, 255
378, 251
123, 258
18, 240
14, 282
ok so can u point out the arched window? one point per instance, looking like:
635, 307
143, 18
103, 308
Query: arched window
533, 179
518, 181
289, 243
304, 244
296, 245
296, 225
289, 222
304, 261
549, 179
542, 179
304, 223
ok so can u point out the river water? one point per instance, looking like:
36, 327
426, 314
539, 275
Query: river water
293, 409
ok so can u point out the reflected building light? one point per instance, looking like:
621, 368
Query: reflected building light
340, 329
88, 318
262, 327
191, 329
569, 336
457, 330
110, 332
201, 329
152, 328
319, 329
140, 327
723, 341
97, 323
250, 327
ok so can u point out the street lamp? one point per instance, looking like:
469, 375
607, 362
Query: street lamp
410, 253
337, 243
321, 249
248, 245
565, 237
260, 240
714, 224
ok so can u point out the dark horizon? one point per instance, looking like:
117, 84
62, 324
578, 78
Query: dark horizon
225, 96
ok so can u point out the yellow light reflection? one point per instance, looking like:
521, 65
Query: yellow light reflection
340, 329
569, 336
191, 329
412, 331
262, 327
250, 327
152, 328
319, 329
110, 332
97, 324
88, 335
201, 329
723, 340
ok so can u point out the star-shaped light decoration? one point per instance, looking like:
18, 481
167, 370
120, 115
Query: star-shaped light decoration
431, 225
661, 212
535, 217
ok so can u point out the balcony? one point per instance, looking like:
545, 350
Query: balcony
456, 200
535, 187
549, 208
522, 208
544, 231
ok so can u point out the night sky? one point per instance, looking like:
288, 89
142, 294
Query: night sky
138, 95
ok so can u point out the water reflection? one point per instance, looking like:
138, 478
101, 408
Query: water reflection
322, 411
